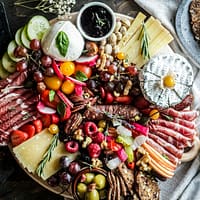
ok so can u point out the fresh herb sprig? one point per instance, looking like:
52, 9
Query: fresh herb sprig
47, 156
144, 38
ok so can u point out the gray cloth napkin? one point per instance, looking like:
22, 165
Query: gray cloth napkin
185, 185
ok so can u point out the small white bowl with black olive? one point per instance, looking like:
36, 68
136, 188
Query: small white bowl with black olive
96, 21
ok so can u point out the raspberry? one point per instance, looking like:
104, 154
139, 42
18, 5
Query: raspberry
98, 137
90, 128
94, 150
72, 146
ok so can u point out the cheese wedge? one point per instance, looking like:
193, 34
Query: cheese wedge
31, 152
132, 29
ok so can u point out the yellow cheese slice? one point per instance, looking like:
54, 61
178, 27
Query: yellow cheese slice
132, 29
135, 36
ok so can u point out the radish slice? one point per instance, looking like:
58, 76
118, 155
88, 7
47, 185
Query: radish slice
121, 153
141, 129
87, 60
113, 163
75, 81
66, 101
138, 141
57, 70
45, 109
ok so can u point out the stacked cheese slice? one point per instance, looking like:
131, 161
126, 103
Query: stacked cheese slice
130, 44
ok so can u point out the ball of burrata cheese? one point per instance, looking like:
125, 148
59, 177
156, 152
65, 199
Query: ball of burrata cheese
63, 41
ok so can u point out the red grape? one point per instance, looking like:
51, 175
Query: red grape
112, 69
49, 71
38, 77
35, 44
46, 61
20, 52
21, 66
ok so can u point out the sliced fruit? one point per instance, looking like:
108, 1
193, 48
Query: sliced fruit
18, 36
29, 129
24, 38
3, 72
45, 109
8, 64
10, 50
36, 27
17, 137
158, 157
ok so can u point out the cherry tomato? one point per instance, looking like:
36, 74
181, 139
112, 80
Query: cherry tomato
55, 119
131, 165
84, 68
67, 68
38, 125
68, 87
29, 129
53, 129
154, 114
120, 55
52, 82
46, 120
17, 137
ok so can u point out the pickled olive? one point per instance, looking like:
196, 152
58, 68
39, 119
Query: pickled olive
92, 195
100, 181
53, 129
81, 189
89, 178
52, 82
68, 87
67, 68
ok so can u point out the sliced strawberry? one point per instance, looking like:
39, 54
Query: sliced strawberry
46, 120
38, 125
17, 137
28, 128
55, 119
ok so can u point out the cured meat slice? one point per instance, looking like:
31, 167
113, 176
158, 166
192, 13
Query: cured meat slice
169, 147
162, 151
176, 127
187, 142
189, 115
170, 139
8, 80
188, 124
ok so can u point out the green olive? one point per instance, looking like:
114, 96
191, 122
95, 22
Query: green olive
100, 181
92, 195
89, 178
81, 189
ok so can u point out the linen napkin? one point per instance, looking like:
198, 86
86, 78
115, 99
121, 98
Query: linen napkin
185, 185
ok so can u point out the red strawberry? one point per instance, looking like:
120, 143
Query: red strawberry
17, 137
28, 128
38, 125
54, 119
46, 120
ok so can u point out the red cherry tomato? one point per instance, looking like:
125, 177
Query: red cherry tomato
54, 119
131, 165
29, 129
17, 137
84, 68
46, 120
38, 125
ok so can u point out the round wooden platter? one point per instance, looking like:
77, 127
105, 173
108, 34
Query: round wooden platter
58, 190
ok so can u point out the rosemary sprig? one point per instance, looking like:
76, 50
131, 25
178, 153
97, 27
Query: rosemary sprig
144, 38
47, 155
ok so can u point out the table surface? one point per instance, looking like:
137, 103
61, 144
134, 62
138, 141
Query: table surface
14, 183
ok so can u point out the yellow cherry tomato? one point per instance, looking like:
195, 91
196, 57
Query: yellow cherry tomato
102, 124
52, 82
67, 68
53, 129
168, 81
154, 114
120, 55
68, 87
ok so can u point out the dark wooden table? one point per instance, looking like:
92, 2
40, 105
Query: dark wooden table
14, 183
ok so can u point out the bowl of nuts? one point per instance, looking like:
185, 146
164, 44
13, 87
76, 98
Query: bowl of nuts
90, 184
96, 21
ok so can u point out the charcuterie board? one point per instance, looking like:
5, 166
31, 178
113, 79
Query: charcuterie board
165, 50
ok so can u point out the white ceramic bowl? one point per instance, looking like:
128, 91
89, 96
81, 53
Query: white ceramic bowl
81, 29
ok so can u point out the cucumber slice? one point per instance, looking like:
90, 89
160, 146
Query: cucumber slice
24, 38
3, 72
8, 64
37, 26
10, 50
18, 36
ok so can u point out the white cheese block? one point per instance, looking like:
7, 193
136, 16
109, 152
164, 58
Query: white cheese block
76, 41
152, 74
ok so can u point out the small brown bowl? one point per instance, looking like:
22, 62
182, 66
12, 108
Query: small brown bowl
77, 178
